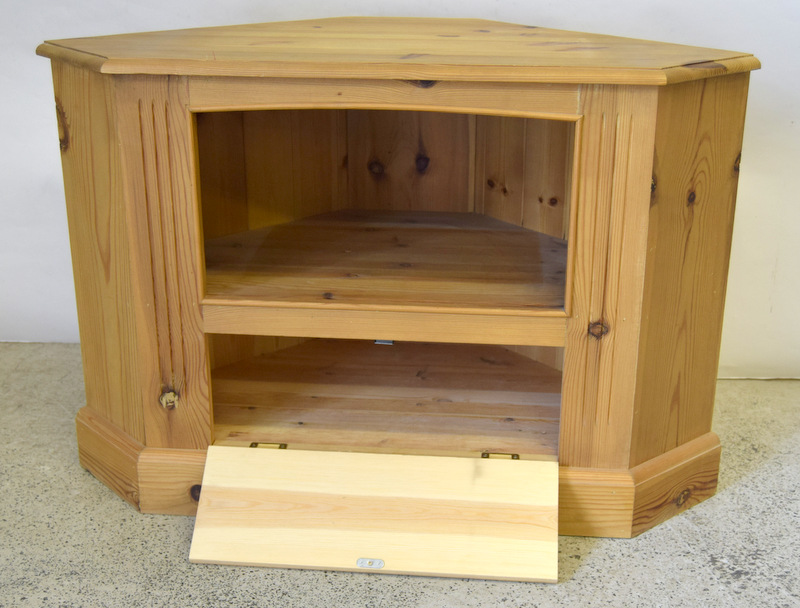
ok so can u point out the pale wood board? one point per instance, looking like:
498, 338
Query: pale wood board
464, 517
399, 48
405, 398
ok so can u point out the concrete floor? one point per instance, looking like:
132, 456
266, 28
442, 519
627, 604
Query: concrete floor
67, 540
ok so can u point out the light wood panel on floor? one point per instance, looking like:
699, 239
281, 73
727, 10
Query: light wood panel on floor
465, 517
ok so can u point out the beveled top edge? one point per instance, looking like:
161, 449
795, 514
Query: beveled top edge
399, 48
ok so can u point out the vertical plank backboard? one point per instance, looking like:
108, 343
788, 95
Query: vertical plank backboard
404, 160
295, 164
548, 171
500, 167
221, 172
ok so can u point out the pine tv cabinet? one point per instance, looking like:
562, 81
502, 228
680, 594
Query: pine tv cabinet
534, 225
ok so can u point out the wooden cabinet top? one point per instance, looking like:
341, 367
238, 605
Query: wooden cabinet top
400, 48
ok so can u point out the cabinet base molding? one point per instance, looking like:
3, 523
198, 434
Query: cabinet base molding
623, 504
109, 454
592, 502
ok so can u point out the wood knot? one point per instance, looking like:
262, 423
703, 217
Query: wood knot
169, 399
691, 198
653, 184
376, 168
327, 295
421, 163
683, 497
194, 492
423, 84
491, 183
737, 162
553, 202
63, 127
598, 329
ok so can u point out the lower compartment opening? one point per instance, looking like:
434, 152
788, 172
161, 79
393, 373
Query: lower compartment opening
386, 397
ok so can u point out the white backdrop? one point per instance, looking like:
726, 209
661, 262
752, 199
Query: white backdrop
762, 329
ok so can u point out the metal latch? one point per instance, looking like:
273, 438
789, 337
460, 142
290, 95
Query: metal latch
385, 342
375, 564
268, 446
500, 455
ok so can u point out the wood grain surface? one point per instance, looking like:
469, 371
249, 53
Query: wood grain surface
391, 261
424, 398
465, 517
400, 48
696, 171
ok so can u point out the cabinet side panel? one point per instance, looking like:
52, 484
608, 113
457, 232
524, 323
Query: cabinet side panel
159, 171
698, 143
100, 245
613, 194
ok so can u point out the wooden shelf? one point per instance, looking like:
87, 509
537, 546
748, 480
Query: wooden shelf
383, 260
410, 398
390, 262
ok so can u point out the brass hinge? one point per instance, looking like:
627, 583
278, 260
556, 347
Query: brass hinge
501, 455
268, 446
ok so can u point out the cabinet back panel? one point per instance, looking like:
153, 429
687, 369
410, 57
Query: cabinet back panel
401, 160
523, 172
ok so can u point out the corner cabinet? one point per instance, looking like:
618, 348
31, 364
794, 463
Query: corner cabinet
465, 278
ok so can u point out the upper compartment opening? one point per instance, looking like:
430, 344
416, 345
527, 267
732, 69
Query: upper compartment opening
386, 210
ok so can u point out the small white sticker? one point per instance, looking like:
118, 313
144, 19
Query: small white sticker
365, 562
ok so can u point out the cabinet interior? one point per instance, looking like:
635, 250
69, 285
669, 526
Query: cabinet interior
392, 211
405, 210
401, 397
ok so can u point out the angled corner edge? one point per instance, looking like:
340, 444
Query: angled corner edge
675, 481
108, 453
55, 52
595, 502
